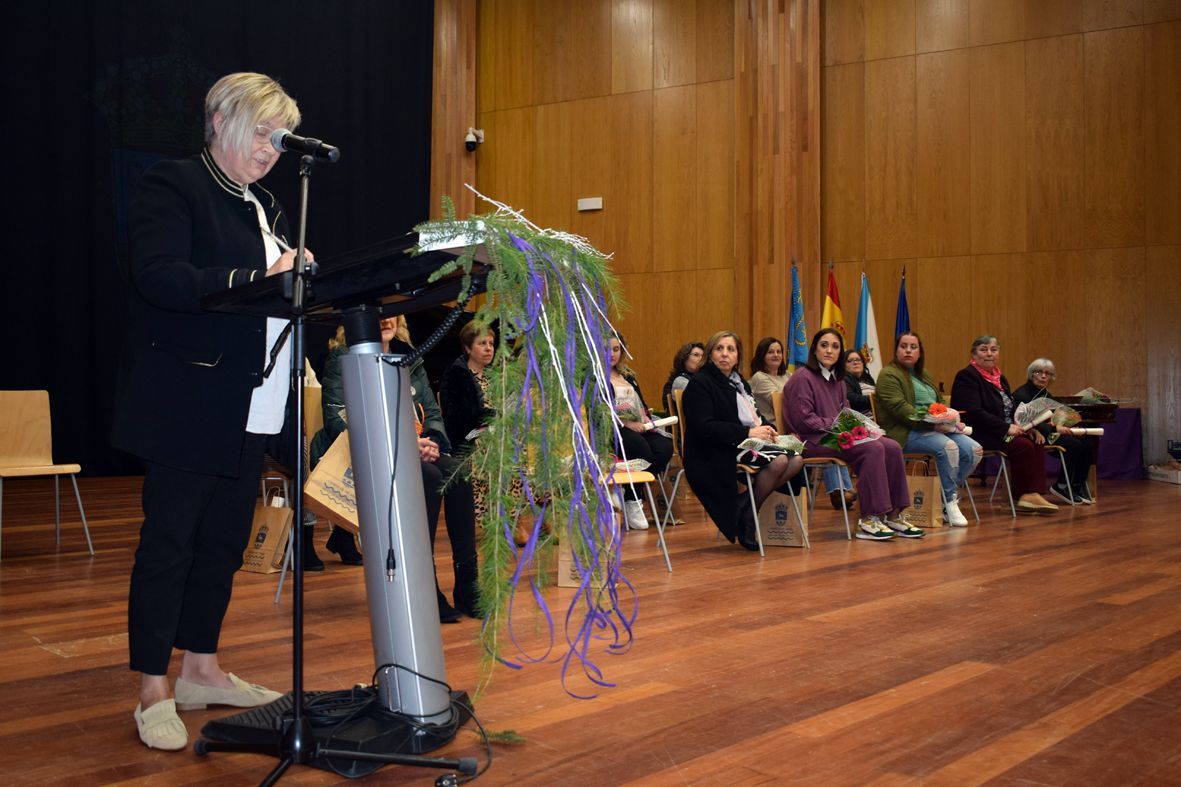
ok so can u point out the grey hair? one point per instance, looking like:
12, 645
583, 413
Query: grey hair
245, 100
979, 340
1039, 364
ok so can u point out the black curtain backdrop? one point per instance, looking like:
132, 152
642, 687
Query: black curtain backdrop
96, 91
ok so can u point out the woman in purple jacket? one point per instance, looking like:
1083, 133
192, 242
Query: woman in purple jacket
813, 398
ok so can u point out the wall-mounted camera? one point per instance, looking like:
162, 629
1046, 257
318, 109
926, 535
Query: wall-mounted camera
475, 136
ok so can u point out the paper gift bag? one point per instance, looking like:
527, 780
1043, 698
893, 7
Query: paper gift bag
568, 575
778, 523
926, 506
329, 491
268, 539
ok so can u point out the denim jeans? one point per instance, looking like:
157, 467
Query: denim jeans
949, 449
836, 477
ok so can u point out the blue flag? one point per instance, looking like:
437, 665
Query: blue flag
902, 316
797, 332
866, 338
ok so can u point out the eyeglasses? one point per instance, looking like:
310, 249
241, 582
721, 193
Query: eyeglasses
262, 133
1043, 373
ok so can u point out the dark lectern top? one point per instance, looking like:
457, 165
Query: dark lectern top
383, 273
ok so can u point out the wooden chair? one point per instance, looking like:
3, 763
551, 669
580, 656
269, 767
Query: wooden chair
818, 462
1060, 452
630, 478
26, 450
313, 421
672, 405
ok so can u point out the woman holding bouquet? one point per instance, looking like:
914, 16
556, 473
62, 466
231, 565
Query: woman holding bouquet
983, 397
911, 413
720, 413
1078, 454
637, 439
814, 398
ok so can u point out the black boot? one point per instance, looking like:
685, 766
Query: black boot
467, 589
341, 542
311, 561
447, 613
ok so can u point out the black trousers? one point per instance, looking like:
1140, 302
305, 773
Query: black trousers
1078, 459
652, 447
460, 513
190, 545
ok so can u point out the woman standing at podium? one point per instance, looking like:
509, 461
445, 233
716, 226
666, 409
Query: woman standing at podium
194, 400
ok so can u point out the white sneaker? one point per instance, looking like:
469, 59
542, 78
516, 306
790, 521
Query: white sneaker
633, 514
952, 513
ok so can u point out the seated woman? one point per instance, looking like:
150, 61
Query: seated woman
1078, 458
982, 395
859, 383
652, 445
464, 395
768, 375
686, 363
720, 413
903, 388
436, 463
814, 397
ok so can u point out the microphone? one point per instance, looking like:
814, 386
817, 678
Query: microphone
282, 139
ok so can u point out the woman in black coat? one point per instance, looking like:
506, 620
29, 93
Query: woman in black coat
720, 413
983, 397
1079, 458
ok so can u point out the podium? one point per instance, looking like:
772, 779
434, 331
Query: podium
412, 709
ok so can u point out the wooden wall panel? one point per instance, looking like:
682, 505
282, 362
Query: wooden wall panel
509, 57
631, 180
1045, 18
999, 309
884, 276
715, 40
1162, 133
943, 156
590, 154
1104, 14
995, 21
714, 168
453, 105
890, 212
1163, 349
674, 28
889, 29
844, 31
843, 163
504, 163
549, 167
944, 321
674, 201
656, 323
713, 306
1161, 10
1055, 278
941, 24
1056, 142
1114, 62
1116, 317
998, 148
631, 45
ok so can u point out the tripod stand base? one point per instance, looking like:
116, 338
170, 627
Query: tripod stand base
375, 734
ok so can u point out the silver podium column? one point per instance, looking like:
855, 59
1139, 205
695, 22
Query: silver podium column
403, 614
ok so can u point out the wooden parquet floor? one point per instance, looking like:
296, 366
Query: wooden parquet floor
1037, 651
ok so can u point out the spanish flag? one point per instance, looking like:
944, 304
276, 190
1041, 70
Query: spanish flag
831, 316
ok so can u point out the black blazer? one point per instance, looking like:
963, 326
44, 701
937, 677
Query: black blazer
186, 376
712, 435
982, 407
463, 404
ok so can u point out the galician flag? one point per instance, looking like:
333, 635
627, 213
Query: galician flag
797, 332
867, 331
831, 317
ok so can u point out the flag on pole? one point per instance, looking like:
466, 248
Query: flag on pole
831, 317
902, 316
866, 342
797, 332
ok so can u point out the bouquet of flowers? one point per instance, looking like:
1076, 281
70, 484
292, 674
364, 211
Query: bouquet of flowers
625, 412
756, 452
943, 417
850, 428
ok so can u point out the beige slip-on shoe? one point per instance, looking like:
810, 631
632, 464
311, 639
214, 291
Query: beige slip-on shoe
194, 696
160, 727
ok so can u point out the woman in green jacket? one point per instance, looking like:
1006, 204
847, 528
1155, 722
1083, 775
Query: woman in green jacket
904, 390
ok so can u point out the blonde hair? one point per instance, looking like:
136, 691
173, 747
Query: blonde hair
401, 333
245, 100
